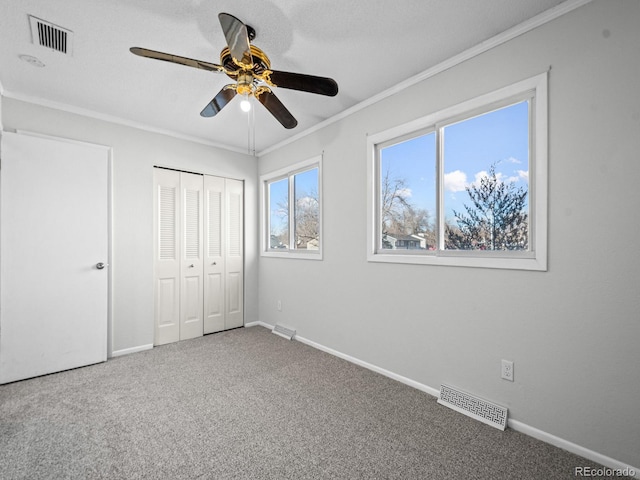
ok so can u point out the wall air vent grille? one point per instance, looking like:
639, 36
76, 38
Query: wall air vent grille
50, 36
474, 407
284, 332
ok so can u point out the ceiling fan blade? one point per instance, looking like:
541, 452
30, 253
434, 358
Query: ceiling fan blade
276, 108
223, 97
304, 83
167, 57
237, 36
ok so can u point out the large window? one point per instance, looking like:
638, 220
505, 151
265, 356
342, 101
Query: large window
292, 211
465, 186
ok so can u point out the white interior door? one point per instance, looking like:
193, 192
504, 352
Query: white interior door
54, 220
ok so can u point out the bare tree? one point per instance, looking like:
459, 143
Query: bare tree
398, 215
307, 219
393, 202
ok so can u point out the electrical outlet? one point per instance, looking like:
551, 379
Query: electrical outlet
507, 370
279, 305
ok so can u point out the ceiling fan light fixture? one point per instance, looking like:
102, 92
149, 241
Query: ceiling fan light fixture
245, 104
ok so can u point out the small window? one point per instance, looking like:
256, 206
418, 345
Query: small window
465, 186
292, 211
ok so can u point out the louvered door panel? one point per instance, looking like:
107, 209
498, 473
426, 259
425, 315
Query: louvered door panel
167, 262
167, 221
191, 294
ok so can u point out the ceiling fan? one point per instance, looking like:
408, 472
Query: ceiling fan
251, 69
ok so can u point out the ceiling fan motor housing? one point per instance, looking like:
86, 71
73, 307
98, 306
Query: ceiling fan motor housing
261, 62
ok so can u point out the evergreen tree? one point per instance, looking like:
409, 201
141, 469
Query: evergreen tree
496, 220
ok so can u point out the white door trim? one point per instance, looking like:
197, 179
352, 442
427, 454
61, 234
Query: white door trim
109, 151
89, 337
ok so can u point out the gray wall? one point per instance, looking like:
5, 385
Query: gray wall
135, 152
572, 331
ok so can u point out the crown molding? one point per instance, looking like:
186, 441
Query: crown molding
115, 119
482, 47
474, 51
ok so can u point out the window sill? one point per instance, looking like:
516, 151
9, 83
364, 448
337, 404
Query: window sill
316, 255
523, 262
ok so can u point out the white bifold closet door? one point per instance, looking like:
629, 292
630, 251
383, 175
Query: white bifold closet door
223, 264
198, 255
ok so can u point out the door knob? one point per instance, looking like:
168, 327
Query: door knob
101, 265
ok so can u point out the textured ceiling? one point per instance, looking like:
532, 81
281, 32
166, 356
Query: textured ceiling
366, 46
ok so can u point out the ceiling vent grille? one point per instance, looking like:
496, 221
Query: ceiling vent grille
50, 36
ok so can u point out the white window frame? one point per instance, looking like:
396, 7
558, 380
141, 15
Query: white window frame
289, 173
533, 259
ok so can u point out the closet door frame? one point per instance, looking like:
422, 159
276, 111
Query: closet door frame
221, 271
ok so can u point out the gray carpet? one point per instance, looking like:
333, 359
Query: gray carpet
248, 404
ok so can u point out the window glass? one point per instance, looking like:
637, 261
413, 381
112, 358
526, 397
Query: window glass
291, 223
306, 210
486, 181
464, 186
279, 214
408, 194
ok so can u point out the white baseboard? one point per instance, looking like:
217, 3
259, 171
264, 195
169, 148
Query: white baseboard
369, 366
258, 324
127, 351
516, 425
608, 462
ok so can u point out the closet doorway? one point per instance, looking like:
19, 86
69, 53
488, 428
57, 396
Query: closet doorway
198, 253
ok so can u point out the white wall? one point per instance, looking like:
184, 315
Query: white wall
572, 331
135, 152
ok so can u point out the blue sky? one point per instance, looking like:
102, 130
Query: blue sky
470, 148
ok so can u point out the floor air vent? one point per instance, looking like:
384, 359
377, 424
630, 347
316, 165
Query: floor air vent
474, 407
51, 36
284, 332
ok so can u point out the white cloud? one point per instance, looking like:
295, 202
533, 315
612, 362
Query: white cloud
404, 192
513, 160
455, 181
